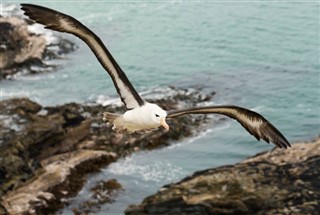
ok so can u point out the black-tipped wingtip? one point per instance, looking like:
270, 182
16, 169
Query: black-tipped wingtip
287, 145
284, 144
25, 8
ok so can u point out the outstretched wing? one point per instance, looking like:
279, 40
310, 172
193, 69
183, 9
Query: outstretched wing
253, 122
61, 22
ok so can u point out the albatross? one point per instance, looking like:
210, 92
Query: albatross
141, 115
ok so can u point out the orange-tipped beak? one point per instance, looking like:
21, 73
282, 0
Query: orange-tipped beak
164, 124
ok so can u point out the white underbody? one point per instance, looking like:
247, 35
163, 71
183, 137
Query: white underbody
137, 119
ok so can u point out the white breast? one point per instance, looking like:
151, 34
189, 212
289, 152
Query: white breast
140, 118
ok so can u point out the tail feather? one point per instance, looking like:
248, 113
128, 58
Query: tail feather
116, 121
110, 117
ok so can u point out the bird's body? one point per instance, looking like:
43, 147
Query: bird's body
137, 120
141, 115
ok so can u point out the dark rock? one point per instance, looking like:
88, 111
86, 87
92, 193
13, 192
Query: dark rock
45, 152
275, 182
21, 106
61, 177
104, 192
25, 52
17, 45
3, 210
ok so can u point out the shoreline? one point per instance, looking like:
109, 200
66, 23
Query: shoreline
51, 149
271, 182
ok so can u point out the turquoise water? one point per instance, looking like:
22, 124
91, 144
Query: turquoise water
260, 55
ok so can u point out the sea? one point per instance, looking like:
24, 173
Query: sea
262, 55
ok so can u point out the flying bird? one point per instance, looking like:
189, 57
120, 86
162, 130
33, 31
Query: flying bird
141, 115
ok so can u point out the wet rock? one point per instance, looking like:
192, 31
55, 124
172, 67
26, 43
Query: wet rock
274, 182
104, 192
61, 177
17, 45
26, 52
20, 106
40, 143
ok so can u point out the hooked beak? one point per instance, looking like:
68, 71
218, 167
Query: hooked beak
164, 124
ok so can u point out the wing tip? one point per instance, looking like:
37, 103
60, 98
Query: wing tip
276, 138
27, 7
29, 10
286, 144
282, 143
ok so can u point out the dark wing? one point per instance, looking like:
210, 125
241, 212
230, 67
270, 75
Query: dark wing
61, 22
253, 122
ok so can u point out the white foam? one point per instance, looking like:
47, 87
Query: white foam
106, 100
153, 171
9, 122
11, 94
9, 10
40, 30
152, 93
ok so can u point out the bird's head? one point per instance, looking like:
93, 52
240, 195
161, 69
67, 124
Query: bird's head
158, 116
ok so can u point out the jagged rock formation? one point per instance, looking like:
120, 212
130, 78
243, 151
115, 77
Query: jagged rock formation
27, 52
274, 182
17, 45
47, 151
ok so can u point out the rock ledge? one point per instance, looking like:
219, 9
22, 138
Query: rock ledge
274, 182
46, 152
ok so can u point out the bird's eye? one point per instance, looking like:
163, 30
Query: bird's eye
157, 115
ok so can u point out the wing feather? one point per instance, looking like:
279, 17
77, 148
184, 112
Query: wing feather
61, 22
253, 122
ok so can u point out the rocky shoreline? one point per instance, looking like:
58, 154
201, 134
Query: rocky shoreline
47, 151
273, 182
23, 51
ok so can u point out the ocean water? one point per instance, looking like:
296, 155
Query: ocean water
256, 54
